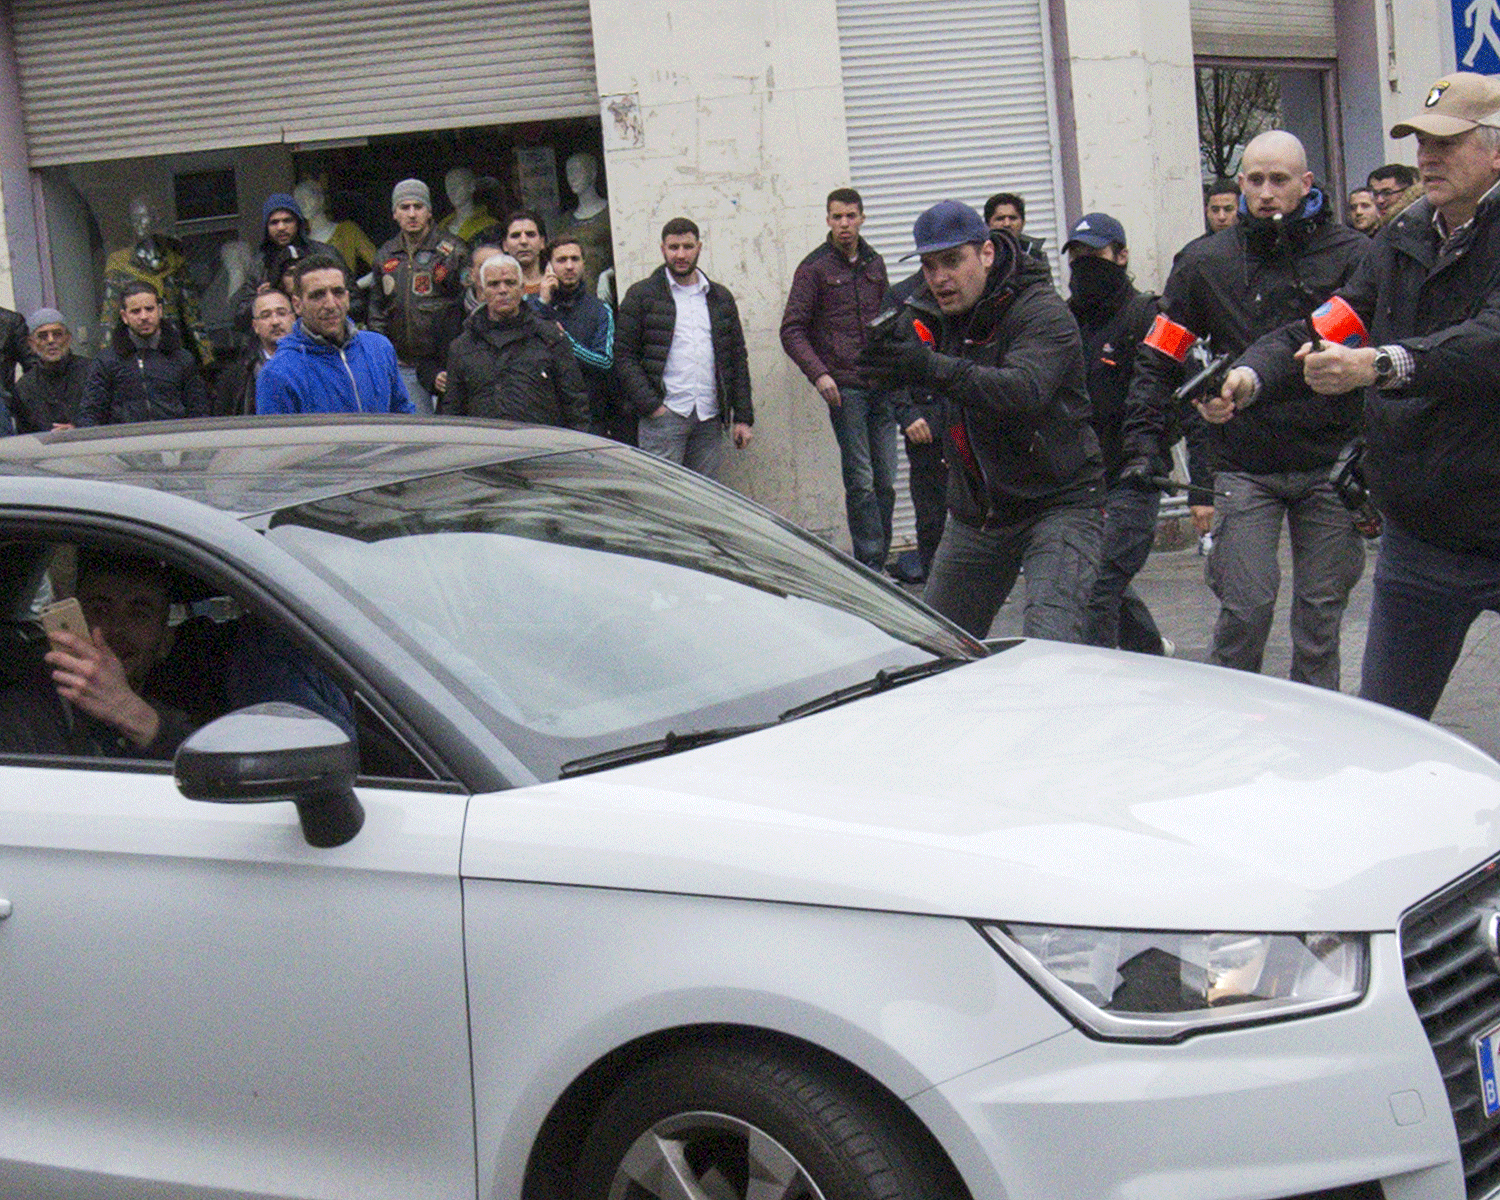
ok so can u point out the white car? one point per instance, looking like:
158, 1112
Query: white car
557, 825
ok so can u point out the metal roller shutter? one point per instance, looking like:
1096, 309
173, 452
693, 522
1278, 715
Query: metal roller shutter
105, 79
949, 101
1264, 29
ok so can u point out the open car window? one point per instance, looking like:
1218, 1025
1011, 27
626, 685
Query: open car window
207, 655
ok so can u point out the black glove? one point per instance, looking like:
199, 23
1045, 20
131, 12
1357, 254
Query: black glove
1140, 473
894, 361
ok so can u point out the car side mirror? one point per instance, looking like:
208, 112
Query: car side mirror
277, 751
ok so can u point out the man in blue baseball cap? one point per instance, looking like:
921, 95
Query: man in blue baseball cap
1113, 318
988, 335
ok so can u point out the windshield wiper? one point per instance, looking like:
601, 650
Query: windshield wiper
670, 743
878, 682
675, 743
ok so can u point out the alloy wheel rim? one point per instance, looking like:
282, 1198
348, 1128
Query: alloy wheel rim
710, 1156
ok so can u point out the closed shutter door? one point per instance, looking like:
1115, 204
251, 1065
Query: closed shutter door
947, 101
1264, 29
105, 79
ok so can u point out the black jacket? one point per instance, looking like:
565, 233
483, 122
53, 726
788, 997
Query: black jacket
522, 369
15, 351
126, 384
1010, 373
1112, 332
234, 390
643, 335
47, 396
1235, 286
1433, 446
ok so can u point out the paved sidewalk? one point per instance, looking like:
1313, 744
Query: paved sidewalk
1172, 586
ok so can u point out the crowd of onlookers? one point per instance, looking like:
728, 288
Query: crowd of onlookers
1037, 426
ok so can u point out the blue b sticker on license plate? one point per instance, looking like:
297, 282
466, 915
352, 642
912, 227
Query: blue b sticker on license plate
1486, 1051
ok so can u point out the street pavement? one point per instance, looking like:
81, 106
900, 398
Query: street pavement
1172, 586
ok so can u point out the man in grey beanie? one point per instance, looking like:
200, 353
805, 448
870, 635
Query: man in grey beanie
416, 291
47, 395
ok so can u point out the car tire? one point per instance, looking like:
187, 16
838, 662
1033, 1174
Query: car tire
704, 1120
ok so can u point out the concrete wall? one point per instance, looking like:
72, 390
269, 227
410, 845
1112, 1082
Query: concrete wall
1135, 116
734, 118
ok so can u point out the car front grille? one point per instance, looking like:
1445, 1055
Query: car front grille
1455, 985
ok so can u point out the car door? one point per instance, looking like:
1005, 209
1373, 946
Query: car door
195, 1001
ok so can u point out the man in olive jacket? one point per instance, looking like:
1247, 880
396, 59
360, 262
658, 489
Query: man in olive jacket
1003, 354
680, 358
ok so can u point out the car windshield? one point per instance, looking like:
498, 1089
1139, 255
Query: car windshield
584, 601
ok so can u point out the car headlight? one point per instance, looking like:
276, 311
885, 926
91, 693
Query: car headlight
1141, 985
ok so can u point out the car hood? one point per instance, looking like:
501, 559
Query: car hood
1048, 783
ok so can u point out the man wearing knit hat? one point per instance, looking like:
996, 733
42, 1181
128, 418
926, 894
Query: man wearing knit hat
1430, 379
47, 395
417, 288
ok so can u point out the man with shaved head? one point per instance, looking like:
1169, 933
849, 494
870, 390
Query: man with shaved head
1285, 256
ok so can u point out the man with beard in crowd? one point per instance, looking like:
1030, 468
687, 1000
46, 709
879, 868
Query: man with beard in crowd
271, 319
680, 358
1003, 354
283, 245
1113, 318
1284, 258
144, 373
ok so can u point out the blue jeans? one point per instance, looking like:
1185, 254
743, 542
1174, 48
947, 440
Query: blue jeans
975, 570
1425, 599
865, 426
1117, 616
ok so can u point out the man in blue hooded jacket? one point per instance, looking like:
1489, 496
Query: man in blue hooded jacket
283, 246
326, 365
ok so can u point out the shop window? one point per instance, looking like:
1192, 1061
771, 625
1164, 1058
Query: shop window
1239, 98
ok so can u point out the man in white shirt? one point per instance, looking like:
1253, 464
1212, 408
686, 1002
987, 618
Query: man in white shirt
680, 357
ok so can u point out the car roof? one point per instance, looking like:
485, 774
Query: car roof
250, 465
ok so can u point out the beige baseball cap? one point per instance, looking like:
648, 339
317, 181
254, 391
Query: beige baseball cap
1455, 104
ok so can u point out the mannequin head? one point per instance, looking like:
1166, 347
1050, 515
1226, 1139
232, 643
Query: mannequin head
459, 184
310, 198
582, 172
142, 218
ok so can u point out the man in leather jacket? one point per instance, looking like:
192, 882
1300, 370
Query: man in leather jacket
1282, 259
991, 338
417, 285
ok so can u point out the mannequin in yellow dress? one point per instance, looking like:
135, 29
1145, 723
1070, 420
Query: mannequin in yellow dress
158, 260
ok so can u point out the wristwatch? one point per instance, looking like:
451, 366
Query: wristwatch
1385, 366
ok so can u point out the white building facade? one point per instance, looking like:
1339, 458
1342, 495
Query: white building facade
742, 118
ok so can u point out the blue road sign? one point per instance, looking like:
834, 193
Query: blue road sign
1476, 35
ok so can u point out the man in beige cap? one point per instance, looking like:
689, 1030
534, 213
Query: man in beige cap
1428, 294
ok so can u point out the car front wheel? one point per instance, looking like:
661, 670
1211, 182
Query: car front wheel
733, 1122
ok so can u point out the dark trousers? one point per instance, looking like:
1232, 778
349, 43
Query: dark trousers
1117, 616
927, 476
1425, 599
976, 568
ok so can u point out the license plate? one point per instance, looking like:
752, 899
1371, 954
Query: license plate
1487, 1052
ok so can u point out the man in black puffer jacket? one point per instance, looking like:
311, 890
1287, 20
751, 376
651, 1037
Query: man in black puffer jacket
1283, 258
144, 374
1429, 292
509, 364
991, 338
680, 357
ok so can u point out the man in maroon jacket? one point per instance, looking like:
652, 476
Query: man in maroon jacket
836, 291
